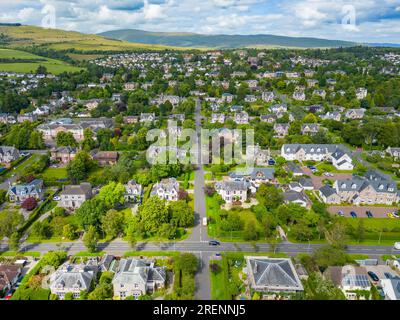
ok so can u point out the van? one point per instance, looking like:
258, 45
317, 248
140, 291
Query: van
205, 221
397, 245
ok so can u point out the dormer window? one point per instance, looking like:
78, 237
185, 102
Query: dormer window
343, 185
354, 186
390, 189
381, 187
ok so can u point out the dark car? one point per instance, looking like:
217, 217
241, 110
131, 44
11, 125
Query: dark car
373, 276
214, 243
271, 162
369, 214
353, 214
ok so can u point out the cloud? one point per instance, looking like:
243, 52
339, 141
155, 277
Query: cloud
375, 20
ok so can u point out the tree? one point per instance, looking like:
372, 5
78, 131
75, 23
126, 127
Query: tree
360, 231
14, 240
90, 213
250, 232
336, 235
112, 194
65, 139
41, 70
187, 262
88, 142
9, 222
79, 168
182, 214
69, 232
41, 230
29, 204
69, 296
112, 223
90, 239
318, 288
54, 258
152, 214
269, 196
329, 256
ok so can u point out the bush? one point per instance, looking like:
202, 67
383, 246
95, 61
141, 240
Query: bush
29, 204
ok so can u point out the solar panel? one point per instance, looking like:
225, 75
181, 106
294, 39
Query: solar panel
358, 280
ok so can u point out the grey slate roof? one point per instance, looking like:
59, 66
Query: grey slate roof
274, 273
257, 173
327, 191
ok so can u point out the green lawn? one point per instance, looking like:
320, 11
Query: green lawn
54, 174
52, 65
219, 281
21, 166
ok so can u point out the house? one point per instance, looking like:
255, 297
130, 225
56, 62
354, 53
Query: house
73, 278
268, 118
131, 119
177, 117
133, 191
337, 154
361, 93
8, 155
310, 128
130, 86
92, 104
9, 275
391, 288
332, 115
147, 117
311, 83
30, 117
306, 183
256, 176
393, 152
299, 198
242, 118
136, 277
355, 114
236, 108
73, 196
320, 93
315, 108
281, 130
299, 96
250, 98
295, 169
272, 275
227, 97
218, 118
7, 118
329, 195
21, 192
349, 279
167, 189
268, 96
63, 154
105, 158
232, 191
278, 108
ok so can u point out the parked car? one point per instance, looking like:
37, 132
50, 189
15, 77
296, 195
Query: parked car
396, 215
214, 243
56, 198
353, 214
271, 162
390, 215
341, 213
373, 276
369, 214
397, 245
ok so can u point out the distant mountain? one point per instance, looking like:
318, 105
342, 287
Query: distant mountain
221, 41
387, 45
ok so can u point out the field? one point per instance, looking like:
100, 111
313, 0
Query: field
64, 40
54, 174
32, 63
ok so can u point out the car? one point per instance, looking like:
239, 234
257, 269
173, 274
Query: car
271, 162
353, 214
205, 221
369, 214
218, 254
341, 213
397, 245
214, 243
390, 215
396, 215
56, 198
373, 276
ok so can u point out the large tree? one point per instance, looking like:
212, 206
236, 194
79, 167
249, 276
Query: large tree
112, 194
182, 215
91, 213
112, 223
152, 214
79, 168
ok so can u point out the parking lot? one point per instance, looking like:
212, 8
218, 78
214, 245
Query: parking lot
377, 212
318, 181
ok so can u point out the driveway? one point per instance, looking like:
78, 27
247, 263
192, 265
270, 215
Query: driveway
318, 180
378, 212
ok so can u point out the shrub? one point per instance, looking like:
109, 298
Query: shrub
29, 204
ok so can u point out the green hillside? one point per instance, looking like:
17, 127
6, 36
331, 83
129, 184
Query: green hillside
221, 41
24, 62
22, 36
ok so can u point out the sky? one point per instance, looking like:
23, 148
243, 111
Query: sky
354, 20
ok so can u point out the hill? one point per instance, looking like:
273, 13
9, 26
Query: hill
22, 36
221, 41
24, 62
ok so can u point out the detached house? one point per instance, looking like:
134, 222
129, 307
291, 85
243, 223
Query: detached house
167, 189
21, 192
393, 152
137, 277
278, 108
310, 128
242, 118
268, 118
9, 275
355, 114
73, 196
361, 93
256, 176
147, 117
232, 191
299, 96
281, 130
218, 118
133, 191
63, 154
334, 115
8, 155
268, 96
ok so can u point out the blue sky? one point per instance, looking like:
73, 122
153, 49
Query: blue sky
365, 20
